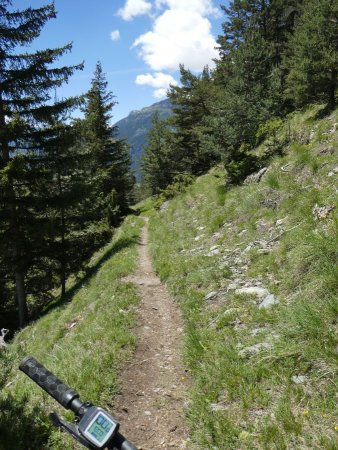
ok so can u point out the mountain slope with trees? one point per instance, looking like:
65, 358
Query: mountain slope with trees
135, 128
64, 184
274, 57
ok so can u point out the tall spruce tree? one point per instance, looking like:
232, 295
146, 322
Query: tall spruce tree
156, 163
27, 81
110, 156
191, 103
312, 57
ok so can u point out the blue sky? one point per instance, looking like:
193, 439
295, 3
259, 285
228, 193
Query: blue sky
139, 43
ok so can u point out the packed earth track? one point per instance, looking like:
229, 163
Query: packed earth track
152, 401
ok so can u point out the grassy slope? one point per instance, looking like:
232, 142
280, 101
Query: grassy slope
241, 399
82, 341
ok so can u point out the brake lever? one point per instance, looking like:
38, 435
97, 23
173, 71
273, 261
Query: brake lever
71, 428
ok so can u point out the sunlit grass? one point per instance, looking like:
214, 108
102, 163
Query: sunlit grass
251, 401
84, 342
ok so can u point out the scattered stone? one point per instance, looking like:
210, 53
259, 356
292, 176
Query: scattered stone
255, 177
254, 349
211, 295
264, 251
269, 300
3, 332
322, 212
197, 238
299, 379
333, 172
253, 290
164, 206
248, 248
256, 331
242, 232
281, 222
213, 251
147, 413
214, 407
231, 311
216, 235
325, 150
232, 286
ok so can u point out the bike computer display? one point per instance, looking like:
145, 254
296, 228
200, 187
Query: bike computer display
97, 426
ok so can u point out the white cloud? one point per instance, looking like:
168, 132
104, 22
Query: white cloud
160, 81
160, 93
179, 35
203, 7
115, 35
133, 8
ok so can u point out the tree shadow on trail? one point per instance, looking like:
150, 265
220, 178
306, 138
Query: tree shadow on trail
90, 272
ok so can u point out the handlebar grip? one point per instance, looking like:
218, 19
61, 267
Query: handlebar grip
48, 381
128, 446
121, 443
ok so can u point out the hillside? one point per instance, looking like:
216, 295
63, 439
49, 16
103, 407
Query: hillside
135, 127
253, 269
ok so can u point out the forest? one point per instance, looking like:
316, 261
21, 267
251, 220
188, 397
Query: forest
66, 183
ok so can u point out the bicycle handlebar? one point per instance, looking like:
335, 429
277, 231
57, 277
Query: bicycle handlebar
63, 394
48, 382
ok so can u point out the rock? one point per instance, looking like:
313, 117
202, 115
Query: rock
197, 238
264, 251
248, 248
217, 407
256, 331
211, 295
256, 177
4, 332
254, 349
164, 206
253, 290
325, 149
333, 172
299, 379
269, 300
281, 222
322, 212
232, 286
213, 251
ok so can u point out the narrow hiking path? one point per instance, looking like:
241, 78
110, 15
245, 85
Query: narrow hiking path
151, 406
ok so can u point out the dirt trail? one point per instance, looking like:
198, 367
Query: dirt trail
151, 406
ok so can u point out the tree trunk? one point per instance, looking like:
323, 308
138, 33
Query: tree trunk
63, 243
19, 274
21, 297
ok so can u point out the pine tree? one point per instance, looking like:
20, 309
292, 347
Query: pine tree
26, 83
191, 102
312, 59
156, 164
111, 160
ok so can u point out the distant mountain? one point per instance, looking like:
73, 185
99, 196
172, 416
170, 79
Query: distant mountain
135, 127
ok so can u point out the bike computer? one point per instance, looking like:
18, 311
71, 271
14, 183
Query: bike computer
97, 426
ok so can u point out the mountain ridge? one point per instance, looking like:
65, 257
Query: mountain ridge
135, 128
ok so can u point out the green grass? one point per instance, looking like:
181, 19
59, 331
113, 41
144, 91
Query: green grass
83, 341
244, 401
